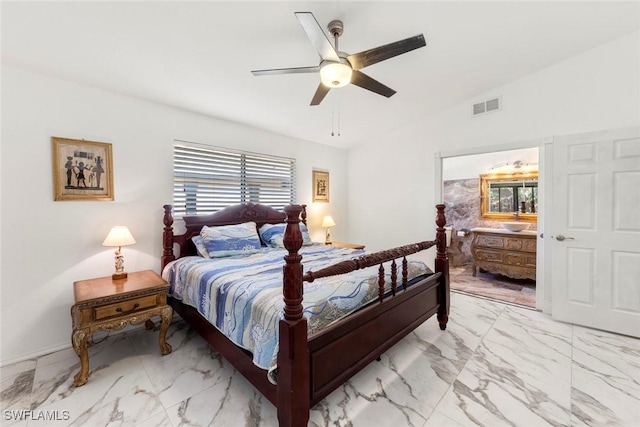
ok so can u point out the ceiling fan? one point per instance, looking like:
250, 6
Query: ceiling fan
336, 68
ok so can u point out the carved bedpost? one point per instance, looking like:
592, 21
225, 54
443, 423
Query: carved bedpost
293, 352
293, 269
442, 265
167, 237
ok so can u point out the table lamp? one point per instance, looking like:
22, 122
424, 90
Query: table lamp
119, 236
328, 222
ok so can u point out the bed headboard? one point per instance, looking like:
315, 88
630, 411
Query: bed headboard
235, 214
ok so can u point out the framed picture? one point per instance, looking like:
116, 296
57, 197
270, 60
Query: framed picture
82, 170
320, 186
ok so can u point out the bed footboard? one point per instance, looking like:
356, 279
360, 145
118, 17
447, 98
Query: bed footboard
363, 336
342, 350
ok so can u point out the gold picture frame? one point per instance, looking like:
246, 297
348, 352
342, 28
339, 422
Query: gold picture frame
82, 170
320, 189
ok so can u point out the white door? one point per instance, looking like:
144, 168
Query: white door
595, 230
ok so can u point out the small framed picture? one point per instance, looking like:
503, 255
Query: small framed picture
320, 186
82, 170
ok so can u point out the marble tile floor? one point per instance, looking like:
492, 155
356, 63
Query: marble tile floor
494, 286
495, 365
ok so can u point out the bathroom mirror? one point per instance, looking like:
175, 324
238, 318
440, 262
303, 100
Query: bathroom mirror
504, 194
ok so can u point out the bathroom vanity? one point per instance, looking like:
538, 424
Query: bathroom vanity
510, 253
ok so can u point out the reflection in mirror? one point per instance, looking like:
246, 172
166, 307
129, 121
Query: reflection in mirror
509, 196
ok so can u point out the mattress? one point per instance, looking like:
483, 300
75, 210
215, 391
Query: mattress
242, 295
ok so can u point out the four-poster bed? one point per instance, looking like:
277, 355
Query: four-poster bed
310, 365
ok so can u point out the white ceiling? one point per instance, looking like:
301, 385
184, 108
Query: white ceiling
198, 55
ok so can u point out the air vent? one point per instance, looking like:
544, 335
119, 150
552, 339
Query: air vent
486, 106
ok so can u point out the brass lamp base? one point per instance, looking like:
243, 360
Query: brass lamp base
119, 276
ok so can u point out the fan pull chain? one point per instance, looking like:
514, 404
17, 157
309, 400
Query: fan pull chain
332, 126
333, 111
338, 117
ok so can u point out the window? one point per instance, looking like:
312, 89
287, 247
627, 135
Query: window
207, 179
509, 196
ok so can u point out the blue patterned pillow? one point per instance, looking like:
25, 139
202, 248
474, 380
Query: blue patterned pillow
200, 248
273, 235
227, 240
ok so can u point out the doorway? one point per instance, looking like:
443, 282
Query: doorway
459, 182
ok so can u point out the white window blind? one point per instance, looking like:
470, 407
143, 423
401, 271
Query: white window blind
207, 178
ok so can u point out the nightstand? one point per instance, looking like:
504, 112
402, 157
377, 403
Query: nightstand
347, 245
104, 304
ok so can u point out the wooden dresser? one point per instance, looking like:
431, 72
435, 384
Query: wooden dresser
509, 253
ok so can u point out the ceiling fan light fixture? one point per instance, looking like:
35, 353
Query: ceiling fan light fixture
335, 74
338, 68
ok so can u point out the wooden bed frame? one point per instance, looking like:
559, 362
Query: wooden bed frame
311, 367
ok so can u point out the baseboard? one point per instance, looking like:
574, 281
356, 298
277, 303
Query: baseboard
67, 344
35, 355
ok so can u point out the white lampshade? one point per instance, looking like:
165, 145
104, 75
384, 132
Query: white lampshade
119, 236
335, 74
327, 221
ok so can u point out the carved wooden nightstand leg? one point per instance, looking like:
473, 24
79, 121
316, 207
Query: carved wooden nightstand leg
149, 325
79, 340
166, 314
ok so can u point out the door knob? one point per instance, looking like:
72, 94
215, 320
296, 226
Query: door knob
560, 238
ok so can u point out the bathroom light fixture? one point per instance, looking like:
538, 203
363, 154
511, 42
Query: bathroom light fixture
328, 222
119, 236
514, 165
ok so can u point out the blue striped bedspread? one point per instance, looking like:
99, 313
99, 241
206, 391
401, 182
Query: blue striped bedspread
242, 295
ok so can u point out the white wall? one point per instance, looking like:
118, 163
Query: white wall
471, 166
392, 178
47, 245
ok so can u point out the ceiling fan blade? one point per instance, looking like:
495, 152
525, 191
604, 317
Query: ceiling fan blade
321, 92
380, 53
317, 36
298, 70
366, 82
